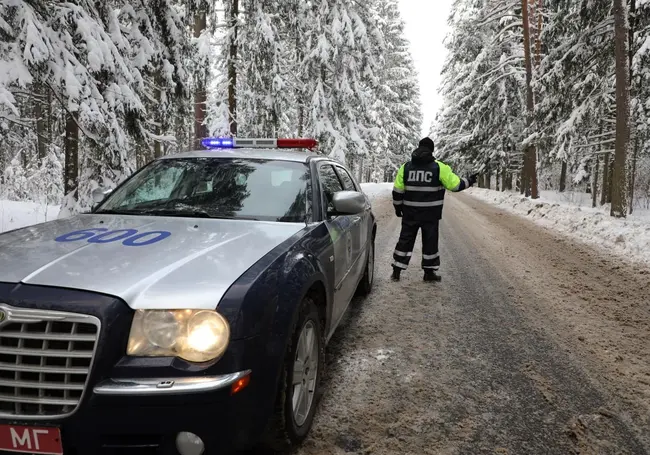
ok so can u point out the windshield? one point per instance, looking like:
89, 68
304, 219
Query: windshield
266, 190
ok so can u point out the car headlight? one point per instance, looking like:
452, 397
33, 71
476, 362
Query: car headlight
193, 335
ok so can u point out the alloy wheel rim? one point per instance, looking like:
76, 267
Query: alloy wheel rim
305, 372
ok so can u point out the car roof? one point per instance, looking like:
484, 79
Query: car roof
252, 153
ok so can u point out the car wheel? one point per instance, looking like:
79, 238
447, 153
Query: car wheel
299, 382
365, 285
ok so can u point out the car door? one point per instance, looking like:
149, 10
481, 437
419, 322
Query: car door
358, 234
339, 230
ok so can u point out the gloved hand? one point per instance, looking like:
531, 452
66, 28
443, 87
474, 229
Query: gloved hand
472, 179
398, 211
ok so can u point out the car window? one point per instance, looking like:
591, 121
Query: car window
269, 190
330, 183
348, 183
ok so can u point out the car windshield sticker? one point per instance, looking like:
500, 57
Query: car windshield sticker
128, 237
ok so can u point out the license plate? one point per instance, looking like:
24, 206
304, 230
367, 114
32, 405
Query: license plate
41, 440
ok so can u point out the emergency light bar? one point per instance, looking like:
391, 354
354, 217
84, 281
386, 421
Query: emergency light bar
267, 143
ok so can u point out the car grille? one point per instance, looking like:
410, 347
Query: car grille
45, 361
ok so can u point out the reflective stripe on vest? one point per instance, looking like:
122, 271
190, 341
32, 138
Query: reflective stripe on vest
423, 188
424, 203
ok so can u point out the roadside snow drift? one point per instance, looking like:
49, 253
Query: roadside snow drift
14, 215
377, 190
626, 238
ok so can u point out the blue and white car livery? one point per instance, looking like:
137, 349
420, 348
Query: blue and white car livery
188, 312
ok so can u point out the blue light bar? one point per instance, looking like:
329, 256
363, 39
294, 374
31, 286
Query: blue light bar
218, 142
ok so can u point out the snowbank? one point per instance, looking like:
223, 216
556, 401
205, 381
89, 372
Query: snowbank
14, 215
627, 238
377, 190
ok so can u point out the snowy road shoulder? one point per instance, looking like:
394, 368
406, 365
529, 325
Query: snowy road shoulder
629, 239
377, 190
15, 215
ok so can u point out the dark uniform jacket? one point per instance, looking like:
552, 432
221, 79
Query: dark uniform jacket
419, 188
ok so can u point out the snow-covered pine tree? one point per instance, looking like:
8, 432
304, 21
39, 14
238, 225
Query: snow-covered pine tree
483, 116
576, 79
339, 65
396, 106
108, 70
265, 96
89, 91
573, 68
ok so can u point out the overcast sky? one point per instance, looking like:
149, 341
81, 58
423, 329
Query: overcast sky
426, 28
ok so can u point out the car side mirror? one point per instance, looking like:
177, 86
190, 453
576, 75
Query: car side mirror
348, 202
99, 194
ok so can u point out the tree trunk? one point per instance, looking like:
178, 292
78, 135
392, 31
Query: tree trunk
157, 146
232, 67
530, 161
619, 179
635, 151
594, 190
632, 25
632, 181
360, 177
488, 179
536, 9
200, 24
497, 187
41, 135
610, 177
504, 179
605, 186
563, 177
71, 170
299, 47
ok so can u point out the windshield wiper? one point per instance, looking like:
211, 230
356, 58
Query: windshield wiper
119, 212
247, 218
178, 212
184, 212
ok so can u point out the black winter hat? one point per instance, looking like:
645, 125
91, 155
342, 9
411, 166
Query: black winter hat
426, 142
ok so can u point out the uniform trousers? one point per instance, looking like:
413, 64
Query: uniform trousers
404, 249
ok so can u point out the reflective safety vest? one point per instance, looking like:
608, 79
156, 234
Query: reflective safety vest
420, 189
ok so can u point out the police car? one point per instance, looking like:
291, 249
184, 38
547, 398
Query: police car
187, 313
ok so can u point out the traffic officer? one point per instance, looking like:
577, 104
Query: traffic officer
418, 197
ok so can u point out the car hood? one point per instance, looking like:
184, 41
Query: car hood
192, 267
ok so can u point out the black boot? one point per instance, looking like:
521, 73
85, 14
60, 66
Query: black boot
431, 275
396, 272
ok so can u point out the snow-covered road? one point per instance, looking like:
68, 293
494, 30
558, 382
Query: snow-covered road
531, 344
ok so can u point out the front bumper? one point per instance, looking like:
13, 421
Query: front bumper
146, 425
124, 424
138, 406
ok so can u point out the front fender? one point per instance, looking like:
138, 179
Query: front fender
264, 301
260, 301
303, 272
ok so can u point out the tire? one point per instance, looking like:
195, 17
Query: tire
287, 428
365, 285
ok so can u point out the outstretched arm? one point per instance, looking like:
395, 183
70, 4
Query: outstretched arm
451, 181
